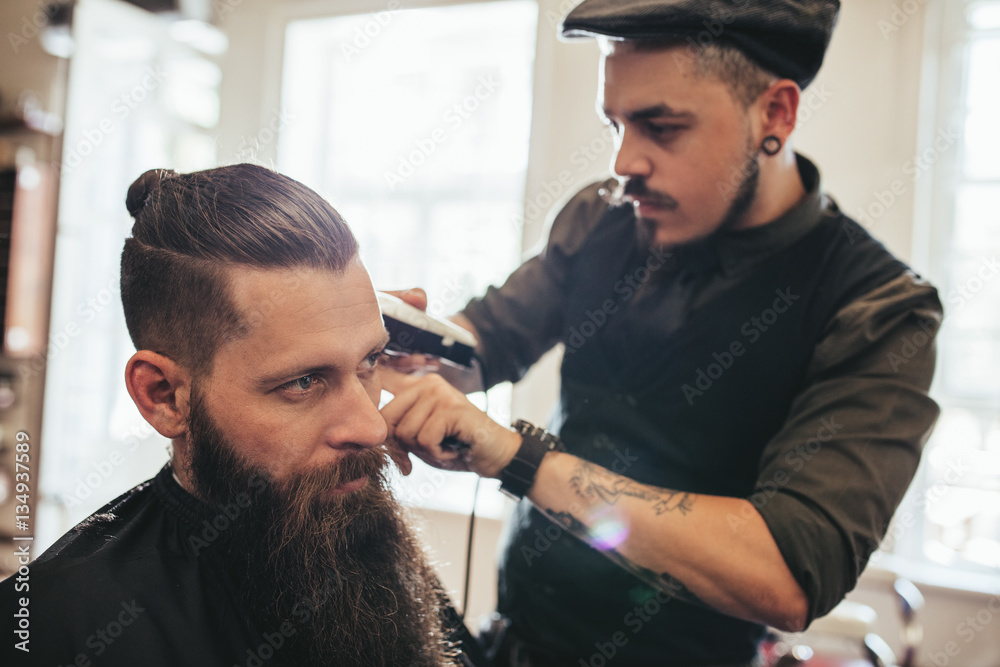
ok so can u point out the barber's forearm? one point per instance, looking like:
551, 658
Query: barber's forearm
738, 571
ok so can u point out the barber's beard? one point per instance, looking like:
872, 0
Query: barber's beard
342, 579
743, 199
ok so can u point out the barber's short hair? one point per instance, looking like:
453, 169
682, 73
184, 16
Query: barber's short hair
719, 59
191, 229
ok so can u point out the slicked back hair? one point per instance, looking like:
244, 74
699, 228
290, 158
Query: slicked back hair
191, 229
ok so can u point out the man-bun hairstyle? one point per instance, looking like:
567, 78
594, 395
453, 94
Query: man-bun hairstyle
191, 229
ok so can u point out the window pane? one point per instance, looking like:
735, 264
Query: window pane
968, 365
977, 218
985, 17
982, 143
984, 63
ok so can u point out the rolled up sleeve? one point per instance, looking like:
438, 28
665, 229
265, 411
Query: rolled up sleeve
832, 478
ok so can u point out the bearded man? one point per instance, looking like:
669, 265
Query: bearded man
270, 538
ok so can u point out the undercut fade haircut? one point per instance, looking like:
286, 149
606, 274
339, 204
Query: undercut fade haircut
721, 60
191, 229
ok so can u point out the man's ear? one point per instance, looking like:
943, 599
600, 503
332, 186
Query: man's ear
161, 389
780, 109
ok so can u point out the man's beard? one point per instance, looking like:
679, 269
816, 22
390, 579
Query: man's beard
340, 580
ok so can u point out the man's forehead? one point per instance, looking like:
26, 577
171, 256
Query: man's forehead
300, 300
644, 81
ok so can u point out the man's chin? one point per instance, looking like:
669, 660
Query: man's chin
665, 235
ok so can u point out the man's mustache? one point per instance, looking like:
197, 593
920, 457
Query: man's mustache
628, 190
636, 188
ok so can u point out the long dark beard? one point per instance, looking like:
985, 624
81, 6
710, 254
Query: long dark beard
338, 581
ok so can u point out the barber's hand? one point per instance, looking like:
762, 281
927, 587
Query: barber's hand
425, 410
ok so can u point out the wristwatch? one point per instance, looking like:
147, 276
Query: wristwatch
516, 479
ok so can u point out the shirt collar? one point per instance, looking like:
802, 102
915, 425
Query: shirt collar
741, 249
189, 508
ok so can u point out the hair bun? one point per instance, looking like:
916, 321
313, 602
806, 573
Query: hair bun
144, 186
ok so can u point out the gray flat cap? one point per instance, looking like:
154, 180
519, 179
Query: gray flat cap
787, 37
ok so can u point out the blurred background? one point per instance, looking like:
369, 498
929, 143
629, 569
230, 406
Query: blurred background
446, 132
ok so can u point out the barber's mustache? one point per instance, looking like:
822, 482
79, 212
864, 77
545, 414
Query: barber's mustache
629, 189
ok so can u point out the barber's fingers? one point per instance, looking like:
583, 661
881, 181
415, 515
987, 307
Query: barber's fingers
427, 411
408, 390
415, 296
400, 456
395, 382
409, 424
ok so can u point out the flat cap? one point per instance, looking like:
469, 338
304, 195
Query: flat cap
786, 37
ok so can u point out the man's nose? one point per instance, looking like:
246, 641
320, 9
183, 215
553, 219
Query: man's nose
630, 159
356, 419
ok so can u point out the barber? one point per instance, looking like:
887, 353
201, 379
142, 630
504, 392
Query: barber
740, 411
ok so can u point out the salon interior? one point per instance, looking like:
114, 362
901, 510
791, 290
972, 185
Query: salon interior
446, 132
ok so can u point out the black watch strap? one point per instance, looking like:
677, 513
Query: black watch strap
516, 479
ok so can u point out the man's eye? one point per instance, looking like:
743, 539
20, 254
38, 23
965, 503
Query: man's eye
301, 384
371, 361
660, 131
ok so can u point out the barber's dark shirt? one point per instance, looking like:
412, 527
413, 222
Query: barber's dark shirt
828, 477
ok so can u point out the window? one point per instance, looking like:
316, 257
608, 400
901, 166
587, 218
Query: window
138, 99
952, 514
415, 125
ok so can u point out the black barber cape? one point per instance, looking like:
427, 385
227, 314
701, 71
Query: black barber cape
134, 584
137, 584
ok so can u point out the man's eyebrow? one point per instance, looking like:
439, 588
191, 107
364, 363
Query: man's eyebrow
382, 342
291, 374
655, 111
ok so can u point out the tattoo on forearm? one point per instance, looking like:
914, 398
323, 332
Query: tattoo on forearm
591, 481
